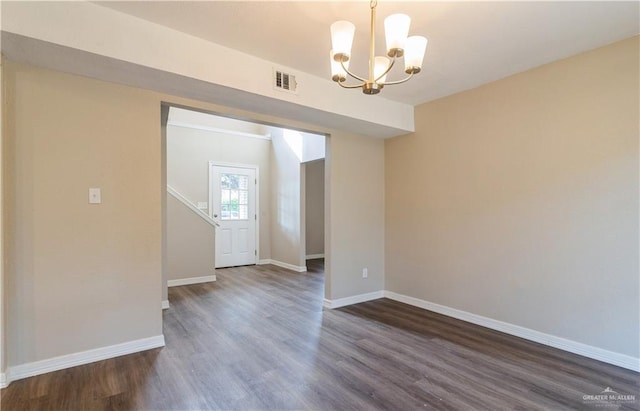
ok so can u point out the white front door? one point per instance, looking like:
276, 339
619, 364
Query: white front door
233, 206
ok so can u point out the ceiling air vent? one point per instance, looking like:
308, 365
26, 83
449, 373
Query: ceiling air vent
284, 81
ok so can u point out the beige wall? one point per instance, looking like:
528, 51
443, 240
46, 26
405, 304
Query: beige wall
286, 217
190, 243
80, 276
314, 203
356, 207
3, 301
164, 115
189, 151
518, 200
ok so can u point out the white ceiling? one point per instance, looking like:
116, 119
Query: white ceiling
470, 43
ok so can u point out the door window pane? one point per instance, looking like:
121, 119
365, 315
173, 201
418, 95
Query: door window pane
243, 182
234, 196
244, 212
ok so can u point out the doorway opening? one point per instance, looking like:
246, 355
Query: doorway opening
247, 180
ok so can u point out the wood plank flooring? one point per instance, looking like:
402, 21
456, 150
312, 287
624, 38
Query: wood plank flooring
258, 339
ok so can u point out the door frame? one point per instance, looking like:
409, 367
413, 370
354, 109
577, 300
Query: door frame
256, 169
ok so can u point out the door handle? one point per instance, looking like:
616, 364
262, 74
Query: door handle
215, 216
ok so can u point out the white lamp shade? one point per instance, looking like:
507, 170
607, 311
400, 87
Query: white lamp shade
414, 50
380, 65
337, 72
342, 37
396, 28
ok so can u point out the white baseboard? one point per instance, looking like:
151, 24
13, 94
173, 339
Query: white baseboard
314, 256
3, 380
80, 358
600, 354
165, 304
192, 280
296, 268
355, 299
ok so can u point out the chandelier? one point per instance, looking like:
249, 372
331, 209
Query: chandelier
398, 45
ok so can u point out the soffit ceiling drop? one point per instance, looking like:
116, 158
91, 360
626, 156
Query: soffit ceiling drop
470, 43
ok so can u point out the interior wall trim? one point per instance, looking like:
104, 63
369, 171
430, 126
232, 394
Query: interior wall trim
355, 299
80, 358
313, 256
191, 206
190, 280
296, 268
218, 130
596, 353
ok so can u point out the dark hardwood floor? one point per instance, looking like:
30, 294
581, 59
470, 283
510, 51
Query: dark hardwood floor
258, 339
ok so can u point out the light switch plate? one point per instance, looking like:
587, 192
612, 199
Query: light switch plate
95, 196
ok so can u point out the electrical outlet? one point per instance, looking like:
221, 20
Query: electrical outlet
95, 196
365, 273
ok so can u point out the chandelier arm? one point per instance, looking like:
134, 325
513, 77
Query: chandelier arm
341, 83
391, 83
351, 74
386, 71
